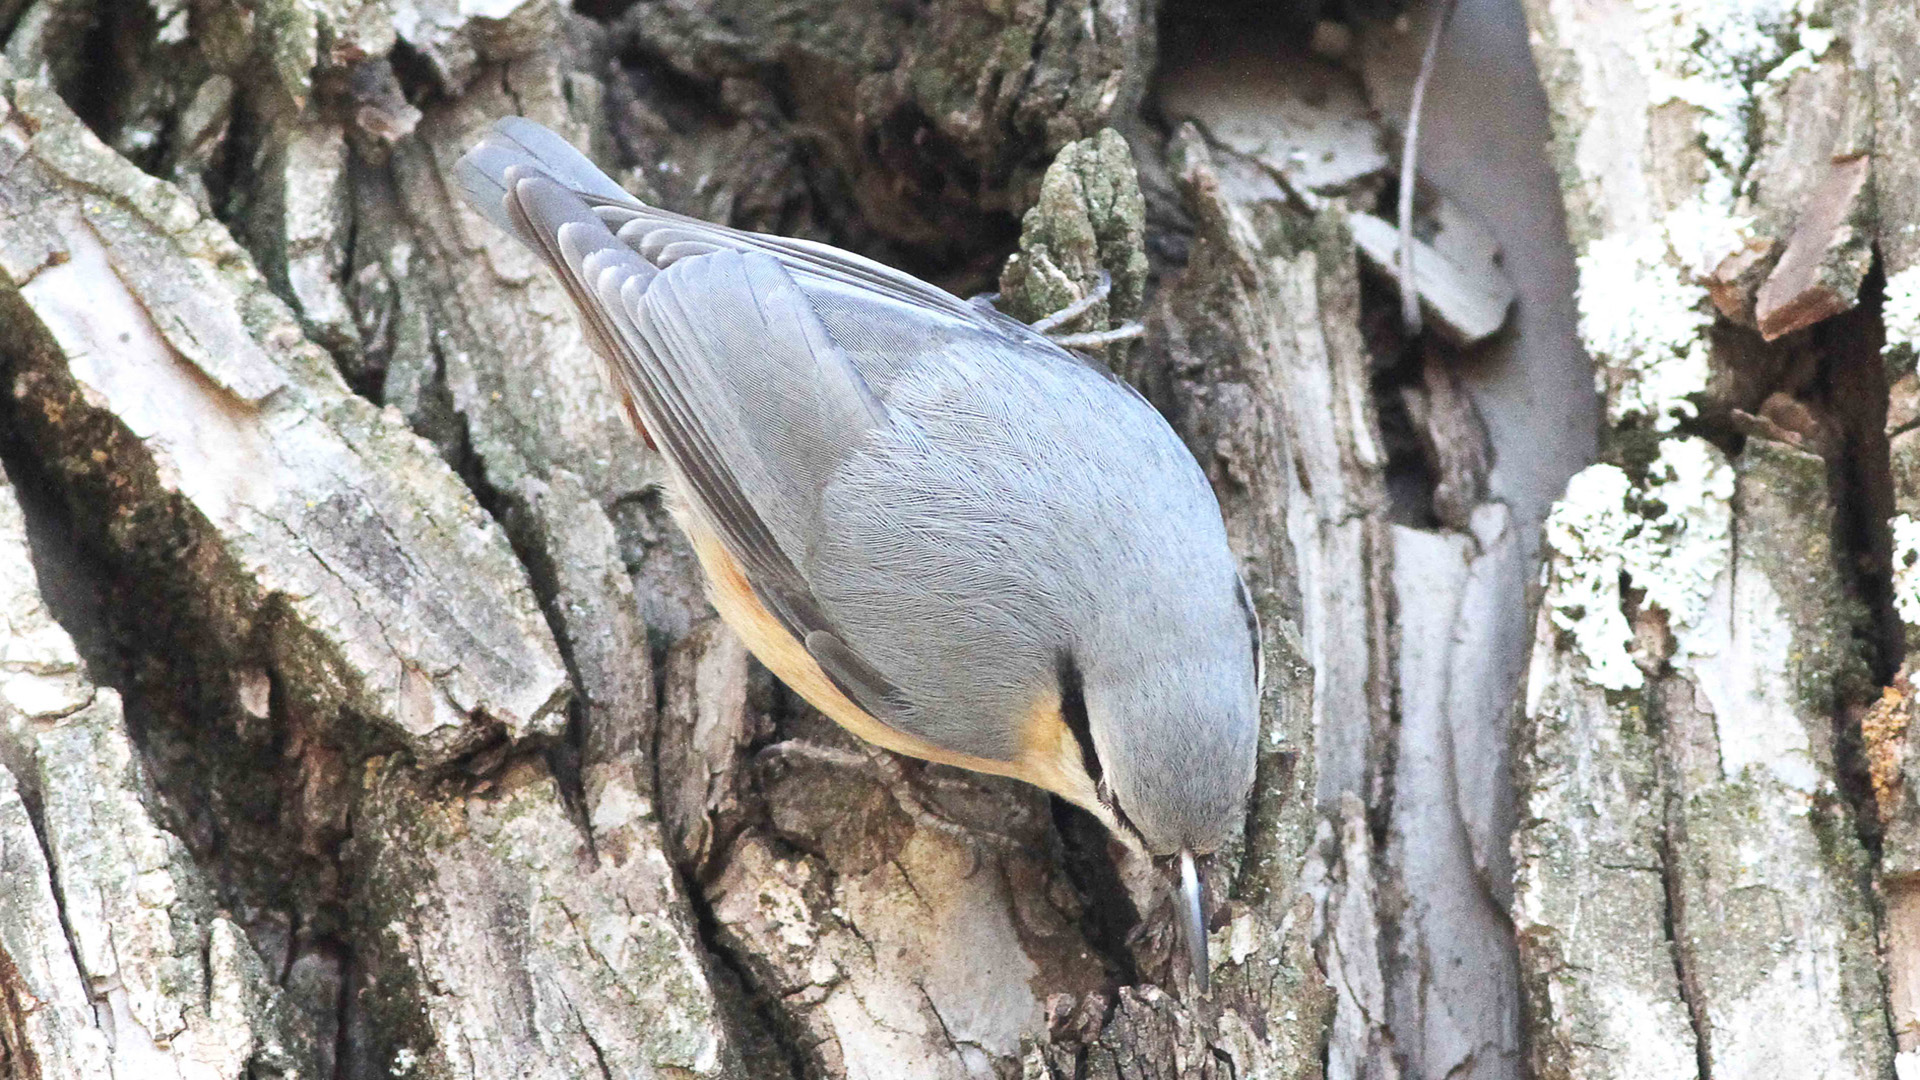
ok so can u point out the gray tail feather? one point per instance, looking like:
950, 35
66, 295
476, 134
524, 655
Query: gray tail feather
591, 263
516, 142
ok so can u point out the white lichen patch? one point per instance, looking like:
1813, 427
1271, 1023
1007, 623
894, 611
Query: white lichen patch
1900, 315
1906, 568
1646, 327
1814, 43
1709, 54
1671, 539
1700, 234
1816, 40
1685, 541
1664, 140
1586, 533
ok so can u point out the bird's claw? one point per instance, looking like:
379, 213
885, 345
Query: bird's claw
924, 814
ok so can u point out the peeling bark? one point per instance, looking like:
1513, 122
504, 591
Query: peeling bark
158, 371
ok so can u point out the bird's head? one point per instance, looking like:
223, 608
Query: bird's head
1172, 729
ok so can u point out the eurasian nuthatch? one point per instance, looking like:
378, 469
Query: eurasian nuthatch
954, 537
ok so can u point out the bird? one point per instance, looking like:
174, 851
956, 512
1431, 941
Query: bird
957, 539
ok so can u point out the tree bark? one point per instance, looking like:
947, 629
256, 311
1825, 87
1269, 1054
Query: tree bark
363, 715
1721, 601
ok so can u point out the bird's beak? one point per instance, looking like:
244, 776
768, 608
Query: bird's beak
1193, 920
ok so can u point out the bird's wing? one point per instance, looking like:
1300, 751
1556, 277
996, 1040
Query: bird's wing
889, 318
662, 237
737, 382
893, 316
517, 142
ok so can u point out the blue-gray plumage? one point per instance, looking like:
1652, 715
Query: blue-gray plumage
956, 538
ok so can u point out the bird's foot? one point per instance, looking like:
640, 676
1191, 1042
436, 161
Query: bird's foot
907, 795
892, 773
1066, 315
1090, 339
1099, 339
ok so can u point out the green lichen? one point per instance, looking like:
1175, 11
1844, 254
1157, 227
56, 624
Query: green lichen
1785, 531
1090, 217
289, 34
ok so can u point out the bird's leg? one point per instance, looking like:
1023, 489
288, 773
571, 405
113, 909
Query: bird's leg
923, 813
818, 753
1093, 339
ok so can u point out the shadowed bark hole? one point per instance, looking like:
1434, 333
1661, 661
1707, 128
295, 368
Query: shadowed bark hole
73, 577
419, 83
1862, 480
1860, 475
1109, 917
1410, 476
602, 10
103, 66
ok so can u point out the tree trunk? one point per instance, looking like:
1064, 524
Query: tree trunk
363, 715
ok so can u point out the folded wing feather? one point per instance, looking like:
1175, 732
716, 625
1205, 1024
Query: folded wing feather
725, 361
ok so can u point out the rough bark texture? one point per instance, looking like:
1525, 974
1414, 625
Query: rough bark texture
1711, 792
361, 714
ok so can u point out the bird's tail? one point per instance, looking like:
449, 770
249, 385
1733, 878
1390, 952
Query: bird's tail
516, 143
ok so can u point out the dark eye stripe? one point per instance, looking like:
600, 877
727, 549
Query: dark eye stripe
1253, 631
1073, 709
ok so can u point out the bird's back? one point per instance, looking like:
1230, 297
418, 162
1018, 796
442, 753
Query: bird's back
1022, 509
